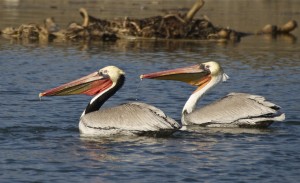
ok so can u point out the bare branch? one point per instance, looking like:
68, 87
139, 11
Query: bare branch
196, 7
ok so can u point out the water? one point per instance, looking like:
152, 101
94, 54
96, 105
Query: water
40, 142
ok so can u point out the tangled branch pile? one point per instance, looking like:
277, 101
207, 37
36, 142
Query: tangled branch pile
170, 26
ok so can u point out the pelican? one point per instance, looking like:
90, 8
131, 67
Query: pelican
234, 110
130, 118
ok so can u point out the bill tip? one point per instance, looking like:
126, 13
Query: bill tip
41, 95
142, 77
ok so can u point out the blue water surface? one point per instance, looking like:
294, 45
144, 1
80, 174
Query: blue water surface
40, 141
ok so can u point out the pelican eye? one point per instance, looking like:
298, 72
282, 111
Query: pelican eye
103, 73
206, 67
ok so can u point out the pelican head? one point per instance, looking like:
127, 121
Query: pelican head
92, 84
205, 76
196, 75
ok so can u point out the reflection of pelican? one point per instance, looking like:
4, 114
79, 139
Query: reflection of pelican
131, 118
234, 110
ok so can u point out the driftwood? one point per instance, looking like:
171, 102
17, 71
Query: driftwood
32, 31
274, 29
169, 26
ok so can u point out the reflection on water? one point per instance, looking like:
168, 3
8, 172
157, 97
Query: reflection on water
123, 45
283, 39
145, 149
199, 139
227, 130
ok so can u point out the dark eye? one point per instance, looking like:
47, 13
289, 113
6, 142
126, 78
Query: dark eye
206, 67
102, 72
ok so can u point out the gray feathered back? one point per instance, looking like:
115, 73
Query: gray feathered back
133, 116
236, 109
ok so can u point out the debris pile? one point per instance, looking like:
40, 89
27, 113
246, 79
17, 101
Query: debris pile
170, 26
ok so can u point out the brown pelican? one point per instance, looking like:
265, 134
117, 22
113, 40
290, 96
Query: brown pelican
234, 110
130, 118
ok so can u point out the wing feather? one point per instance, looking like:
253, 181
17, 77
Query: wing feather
133, 116
237, 109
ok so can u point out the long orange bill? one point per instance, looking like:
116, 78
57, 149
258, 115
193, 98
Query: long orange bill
194, 75
91, 84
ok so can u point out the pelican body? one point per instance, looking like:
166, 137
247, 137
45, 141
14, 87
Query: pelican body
234, 110
130, 118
